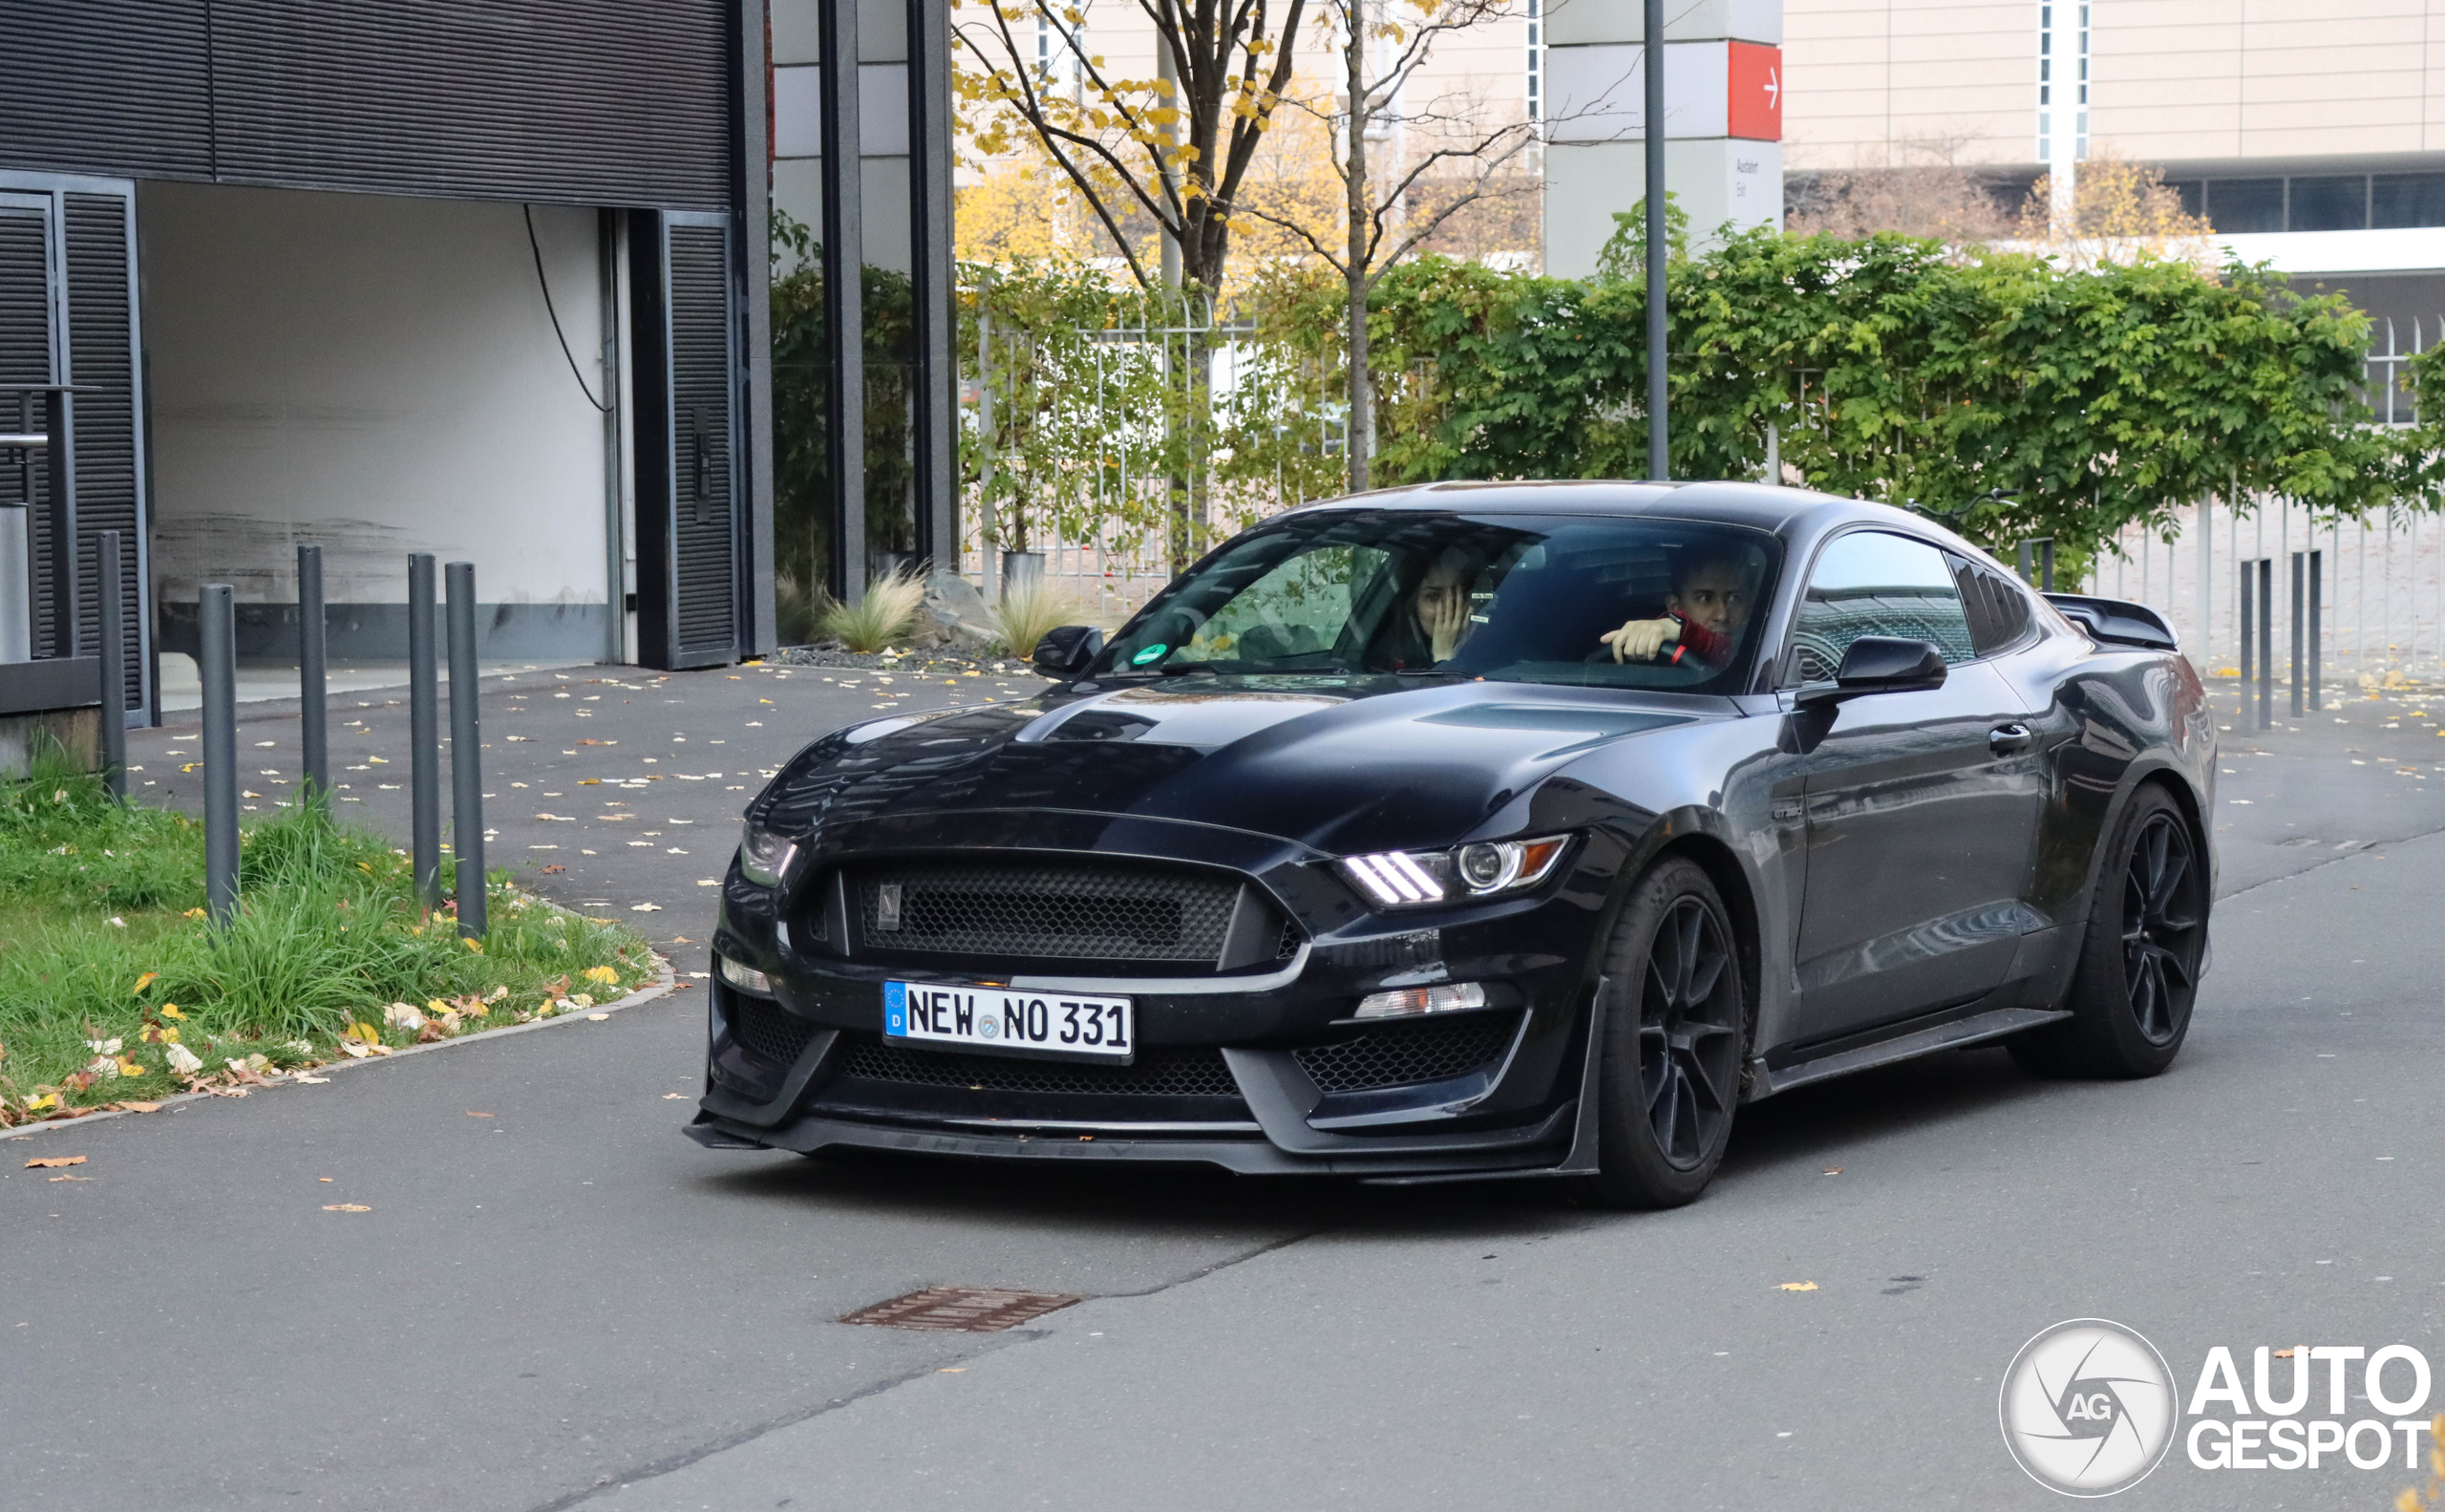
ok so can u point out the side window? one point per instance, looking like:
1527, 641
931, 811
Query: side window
1872, 584
1999, 612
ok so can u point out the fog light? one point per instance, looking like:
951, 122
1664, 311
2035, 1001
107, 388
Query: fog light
746, 978
1449, 998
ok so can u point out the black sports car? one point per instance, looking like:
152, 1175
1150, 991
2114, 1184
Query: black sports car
1484, 830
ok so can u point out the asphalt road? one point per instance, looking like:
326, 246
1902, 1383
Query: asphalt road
567, 1303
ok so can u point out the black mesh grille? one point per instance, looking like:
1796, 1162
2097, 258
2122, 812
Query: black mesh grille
1077, 912
769, 1032
1157, 1073
1290, 946
1402, 1055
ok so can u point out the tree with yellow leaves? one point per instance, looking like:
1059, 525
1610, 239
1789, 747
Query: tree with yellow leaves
1173, 149
2118, 211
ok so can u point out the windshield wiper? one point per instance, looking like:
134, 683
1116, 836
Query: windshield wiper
1180, 669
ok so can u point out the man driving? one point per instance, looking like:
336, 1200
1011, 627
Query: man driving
1702, 618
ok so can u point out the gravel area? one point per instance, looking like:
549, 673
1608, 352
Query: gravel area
938, 660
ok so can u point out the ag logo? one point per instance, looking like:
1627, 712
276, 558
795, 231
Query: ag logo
2088, 1408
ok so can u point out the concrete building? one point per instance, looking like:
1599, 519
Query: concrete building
2310, 132
480, 280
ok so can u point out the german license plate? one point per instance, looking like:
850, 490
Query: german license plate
993, 1018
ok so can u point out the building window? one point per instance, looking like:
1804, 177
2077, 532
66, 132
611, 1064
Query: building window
2062, 76
2237, 206
2328, 202
2407, 199
1536, 59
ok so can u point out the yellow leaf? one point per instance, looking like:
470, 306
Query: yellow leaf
1797, 1286
195, 913
44, 1103
475, 944
601, 974
44, 1162
144, 981
129, 1068
171, 1011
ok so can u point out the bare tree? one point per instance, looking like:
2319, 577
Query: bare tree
1172, 149
1927, 190
1437, 158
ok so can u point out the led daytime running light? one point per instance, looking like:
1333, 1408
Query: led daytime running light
1449, 998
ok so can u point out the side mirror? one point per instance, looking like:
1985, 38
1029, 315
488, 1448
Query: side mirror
1880, 664
1069, 649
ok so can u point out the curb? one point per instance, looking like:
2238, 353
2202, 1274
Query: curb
668, 985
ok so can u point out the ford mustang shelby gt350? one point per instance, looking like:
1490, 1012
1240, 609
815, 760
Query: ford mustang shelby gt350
1481, 830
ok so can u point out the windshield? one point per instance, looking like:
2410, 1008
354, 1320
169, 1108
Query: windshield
1605, 602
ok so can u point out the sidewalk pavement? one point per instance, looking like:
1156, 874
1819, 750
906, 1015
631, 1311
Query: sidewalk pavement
611, 789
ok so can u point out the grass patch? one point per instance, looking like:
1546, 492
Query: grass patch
1028, 612
881, 616
113, 987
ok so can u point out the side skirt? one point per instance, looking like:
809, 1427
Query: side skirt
1993, 1024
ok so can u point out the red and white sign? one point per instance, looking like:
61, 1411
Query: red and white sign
1755, 95
1597, 92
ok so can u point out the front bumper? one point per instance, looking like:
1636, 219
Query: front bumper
1262, 1073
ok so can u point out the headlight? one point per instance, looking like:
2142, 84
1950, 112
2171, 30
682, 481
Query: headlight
745, 978
1417, 879
764, 856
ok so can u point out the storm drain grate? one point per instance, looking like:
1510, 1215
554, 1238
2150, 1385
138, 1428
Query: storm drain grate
962, 1309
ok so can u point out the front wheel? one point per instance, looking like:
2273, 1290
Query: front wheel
2139, 966
1675, 1031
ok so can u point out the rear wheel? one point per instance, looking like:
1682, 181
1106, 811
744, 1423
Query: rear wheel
1675, 1029
2139, 966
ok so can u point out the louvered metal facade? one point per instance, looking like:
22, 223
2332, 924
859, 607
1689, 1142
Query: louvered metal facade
587, 102
689, 384
68, 315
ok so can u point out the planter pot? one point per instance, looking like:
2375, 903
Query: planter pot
1019, 569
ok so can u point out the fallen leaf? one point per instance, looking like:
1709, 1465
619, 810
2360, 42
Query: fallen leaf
596, 1018
644, 908
1797, 1286
144, 981
45, 1162
72, 1178
346, 1207
171, 1011
138, 1107
674, 1096
1832, 1170
549, 869
480, 1115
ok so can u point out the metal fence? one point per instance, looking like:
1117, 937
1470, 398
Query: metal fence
1228, 450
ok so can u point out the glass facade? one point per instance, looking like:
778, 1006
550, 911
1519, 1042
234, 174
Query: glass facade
2327, 202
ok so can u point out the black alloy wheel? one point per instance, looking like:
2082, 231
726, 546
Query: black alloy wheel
2163, 927
1689, 1034
2141, 963
1674, 1036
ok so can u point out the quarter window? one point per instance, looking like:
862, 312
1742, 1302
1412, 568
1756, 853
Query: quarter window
1998, 610
1869, 582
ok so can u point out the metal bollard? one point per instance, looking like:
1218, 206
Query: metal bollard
466, 748
2248, 602
424, 734
314, 706
2317, 636
111, 603
2267, 643
2300, 662
217, 618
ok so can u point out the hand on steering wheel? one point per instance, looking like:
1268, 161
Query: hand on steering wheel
1642, 640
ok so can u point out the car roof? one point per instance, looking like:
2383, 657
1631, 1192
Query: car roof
1757, 504
1798, 515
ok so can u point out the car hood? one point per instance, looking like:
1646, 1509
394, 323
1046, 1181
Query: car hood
1338, 765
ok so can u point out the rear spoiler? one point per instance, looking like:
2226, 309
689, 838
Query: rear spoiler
2116, 622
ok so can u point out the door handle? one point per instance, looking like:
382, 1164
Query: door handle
2009, 739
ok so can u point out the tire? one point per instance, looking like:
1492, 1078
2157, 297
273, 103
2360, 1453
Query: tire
1675, 1037
2137, 976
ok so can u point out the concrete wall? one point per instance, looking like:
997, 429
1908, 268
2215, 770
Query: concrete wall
380, 375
